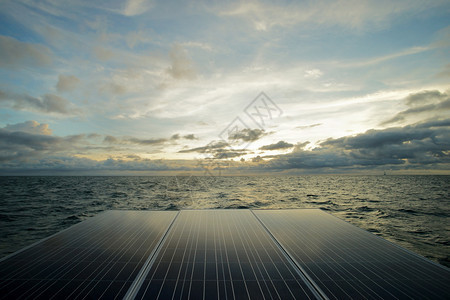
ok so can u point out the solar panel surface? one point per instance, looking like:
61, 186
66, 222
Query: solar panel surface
348, 262
97, 258
221, 254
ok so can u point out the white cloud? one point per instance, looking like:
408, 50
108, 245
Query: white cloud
376, 60
313, 73
355, 14
136, 7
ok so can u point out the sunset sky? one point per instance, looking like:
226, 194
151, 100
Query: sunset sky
224, 87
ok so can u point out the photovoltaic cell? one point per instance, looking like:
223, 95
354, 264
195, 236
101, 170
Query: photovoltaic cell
221, 254
348, 262
97, 258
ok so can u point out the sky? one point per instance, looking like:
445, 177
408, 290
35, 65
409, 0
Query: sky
143, 87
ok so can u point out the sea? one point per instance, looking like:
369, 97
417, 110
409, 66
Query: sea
411, 211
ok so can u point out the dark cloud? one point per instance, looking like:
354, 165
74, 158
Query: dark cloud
416, 146
217, 150
67, 83
308, 126
257, 159
132, 140
18, 145
32, 127
213, 146
226, 153
247, 135
190, 137
432, 102
276, 146
145, 142
48, 103
78, 165
187, 137
17, 54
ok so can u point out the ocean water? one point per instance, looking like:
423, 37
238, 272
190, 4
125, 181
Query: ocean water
412, 211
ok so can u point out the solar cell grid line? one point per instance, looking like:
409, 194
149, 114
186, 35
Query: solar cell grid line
271, 259
282, 271
66, 270
305, 246
226, 272
23, 258
364, 271
49, 281
132, 245
305, 277
392, 271
356, 276
411, 263
392, 279
101, 214
136, 285
94, 252
13, 265
74, 268
278, 264
322, 254
221, 254
337, 244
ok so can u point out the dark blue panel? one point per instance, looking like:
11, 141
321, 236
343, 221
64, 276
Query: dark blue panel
348, 262
98, 258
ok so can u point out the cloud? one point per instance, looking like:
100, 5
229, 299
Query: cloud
419, 146
181, 65
211, 147
247, 135
136, 7
17, 54
187, 137
113, 88
431, 103
132, 140
445, 73
380, 59
308, 126
48, 103
67, 83
31, 127
277, 146
22, 146
346, 13
190, 137
227, 153
217, 150
102, 53
313, 73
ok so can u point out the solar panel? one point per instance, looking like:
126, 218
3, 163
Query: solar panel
97, 258
348, 262
221, 254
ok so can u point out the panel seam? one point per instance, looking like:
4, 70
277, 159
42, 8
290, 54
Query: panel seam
140, 277
312, 285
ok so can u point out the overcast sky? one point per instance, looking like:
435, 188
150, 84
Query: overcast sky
224, 87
